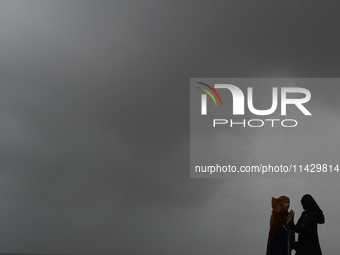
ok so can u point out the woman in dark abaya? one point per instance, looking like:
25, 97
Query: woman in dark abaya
280, 237
307, 227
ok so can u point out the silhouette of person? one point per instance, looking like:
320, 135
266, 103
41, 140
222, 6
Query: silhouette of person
280, 236
307, 227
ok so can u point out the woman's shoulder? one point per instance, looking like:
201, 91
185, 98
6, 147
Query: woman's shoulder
316, 216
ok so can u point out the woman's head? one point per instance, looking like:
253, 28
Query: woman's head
280, 204
309, 204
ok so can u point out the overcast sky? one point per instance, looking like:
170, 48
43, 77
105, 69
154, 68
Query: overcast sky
94, 123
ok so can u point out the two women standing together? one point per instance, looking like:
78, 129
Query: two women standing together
281, 239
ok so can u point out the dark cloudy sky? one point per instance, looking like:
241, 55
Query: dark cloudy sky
94, 122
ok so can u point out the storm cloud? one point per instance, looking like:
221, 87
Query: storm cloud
94, 122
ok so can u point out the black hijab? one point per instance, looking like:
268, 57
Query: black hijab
309, 204
312, 210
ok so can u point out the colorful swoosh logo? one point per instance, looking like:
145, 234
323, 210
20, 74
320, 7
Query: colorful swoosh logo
208, 92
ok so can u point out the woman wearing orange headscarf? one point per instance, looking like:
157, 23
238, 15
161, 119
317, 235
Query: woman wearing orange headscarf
281, 221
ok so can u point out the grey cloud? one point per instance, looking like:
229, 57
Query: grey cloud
94, 112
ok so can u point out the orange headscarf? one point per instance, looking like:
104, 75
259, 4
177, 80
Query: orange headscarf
279, 216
